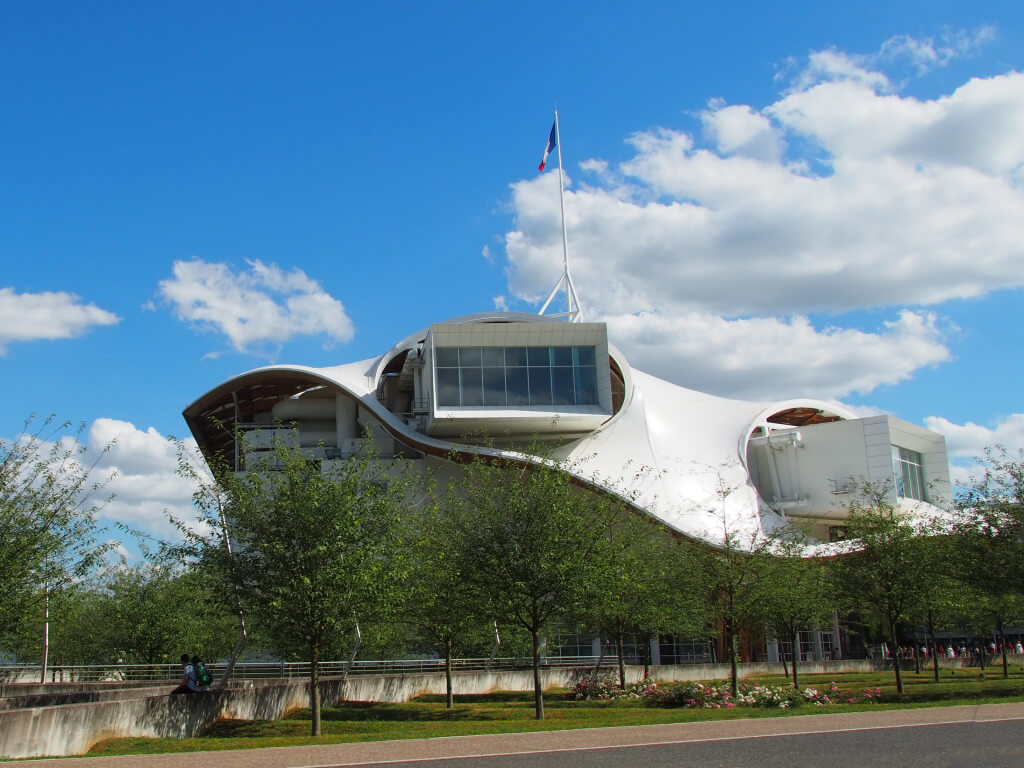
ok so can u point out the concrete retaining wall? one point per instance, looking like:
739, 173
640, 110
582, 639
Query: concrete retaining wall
73, 728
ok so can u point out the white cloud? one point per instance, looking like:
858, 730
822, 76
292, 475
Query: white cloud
969, 441
740, 130
771, 358
832, 65
841, 195
261, 306
146, 485
138, 468
978, 128
48, 315
925, 54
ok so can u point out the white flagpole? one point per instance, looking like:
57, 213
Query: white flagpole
561, 203
573, 311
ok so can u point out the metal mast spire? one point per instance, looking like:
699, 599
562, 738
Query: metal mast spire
573, 310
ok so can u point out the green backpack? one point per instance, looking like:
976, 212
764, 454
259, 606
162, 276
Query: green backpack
202, 675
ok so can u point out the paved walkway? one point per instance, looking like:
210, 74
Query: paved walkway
549, 741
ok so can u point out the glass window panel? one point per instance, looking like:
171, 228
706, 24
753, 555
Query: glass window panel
469, 357
472, 389
584, 355
447, 357
908, 473
561, 355
897, 470
493, 356
515, 356
909, 483
539, 355
517, 387
494, 386
540, 386
586, 385
563, 391
448, 387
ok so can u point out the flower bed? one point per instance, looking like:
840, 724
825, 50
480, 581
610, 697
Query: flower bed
702, 696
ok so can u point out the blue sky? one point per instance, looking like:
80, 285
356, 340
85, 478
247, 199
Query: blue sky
765, 200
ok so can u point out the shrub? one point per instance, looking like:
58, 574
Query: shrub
605, 688
701, 696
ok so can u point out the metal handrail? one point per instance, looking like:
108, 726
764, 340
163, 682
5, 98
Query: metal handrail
169, 673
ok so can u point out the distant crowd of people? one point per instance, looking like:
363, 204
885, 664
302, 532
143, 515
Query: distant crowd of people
953, 651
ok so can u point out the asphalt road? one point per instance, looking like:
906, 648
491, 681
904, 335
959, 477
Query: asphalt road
958, 745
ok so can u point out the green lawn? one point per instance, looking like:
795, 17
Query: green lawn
513, 712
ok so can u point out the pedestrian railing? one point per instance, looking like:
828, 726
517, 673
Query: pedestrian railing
168, 673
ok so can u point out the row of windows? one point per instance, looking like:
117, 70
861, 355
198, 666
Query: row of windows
515, 376
489, 357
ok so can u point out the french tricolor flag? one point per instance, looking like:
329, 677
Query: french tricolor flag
547, 149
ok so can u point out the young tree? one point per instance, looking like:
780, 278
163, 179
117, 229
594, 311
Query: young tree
49, 499
147, 614
730, 579
534, 541
941, 598
990, 531
732, 589
882, 574
152, 613
634, 591
797, 591
439, 601
77, 634
315, 550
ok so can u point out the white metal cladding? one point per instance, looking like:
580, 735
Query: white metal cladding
677, 454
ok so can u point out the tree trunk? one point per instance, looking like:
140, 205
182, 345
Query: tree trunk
647, 659
935, 646
449, 692
734, 682
796, 659
620, 639
243, 638
1002, 645
782, 655
314, 687
896, 660
538, 690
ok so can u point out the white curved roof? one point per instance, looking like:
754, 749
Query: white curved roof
675, 453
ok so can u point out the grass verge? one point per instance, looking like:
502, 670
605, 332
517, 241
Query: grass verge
427, 717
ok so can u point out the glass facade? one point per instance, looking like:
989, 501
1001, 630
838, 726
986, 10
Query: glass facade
909, 473
511, 377
674, 650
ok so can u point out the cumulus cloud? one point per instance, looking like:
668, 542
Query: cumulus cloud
741, 130
48, 315
969, 441
839, 196
769, 358
143, 465
135, 471
263, 305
